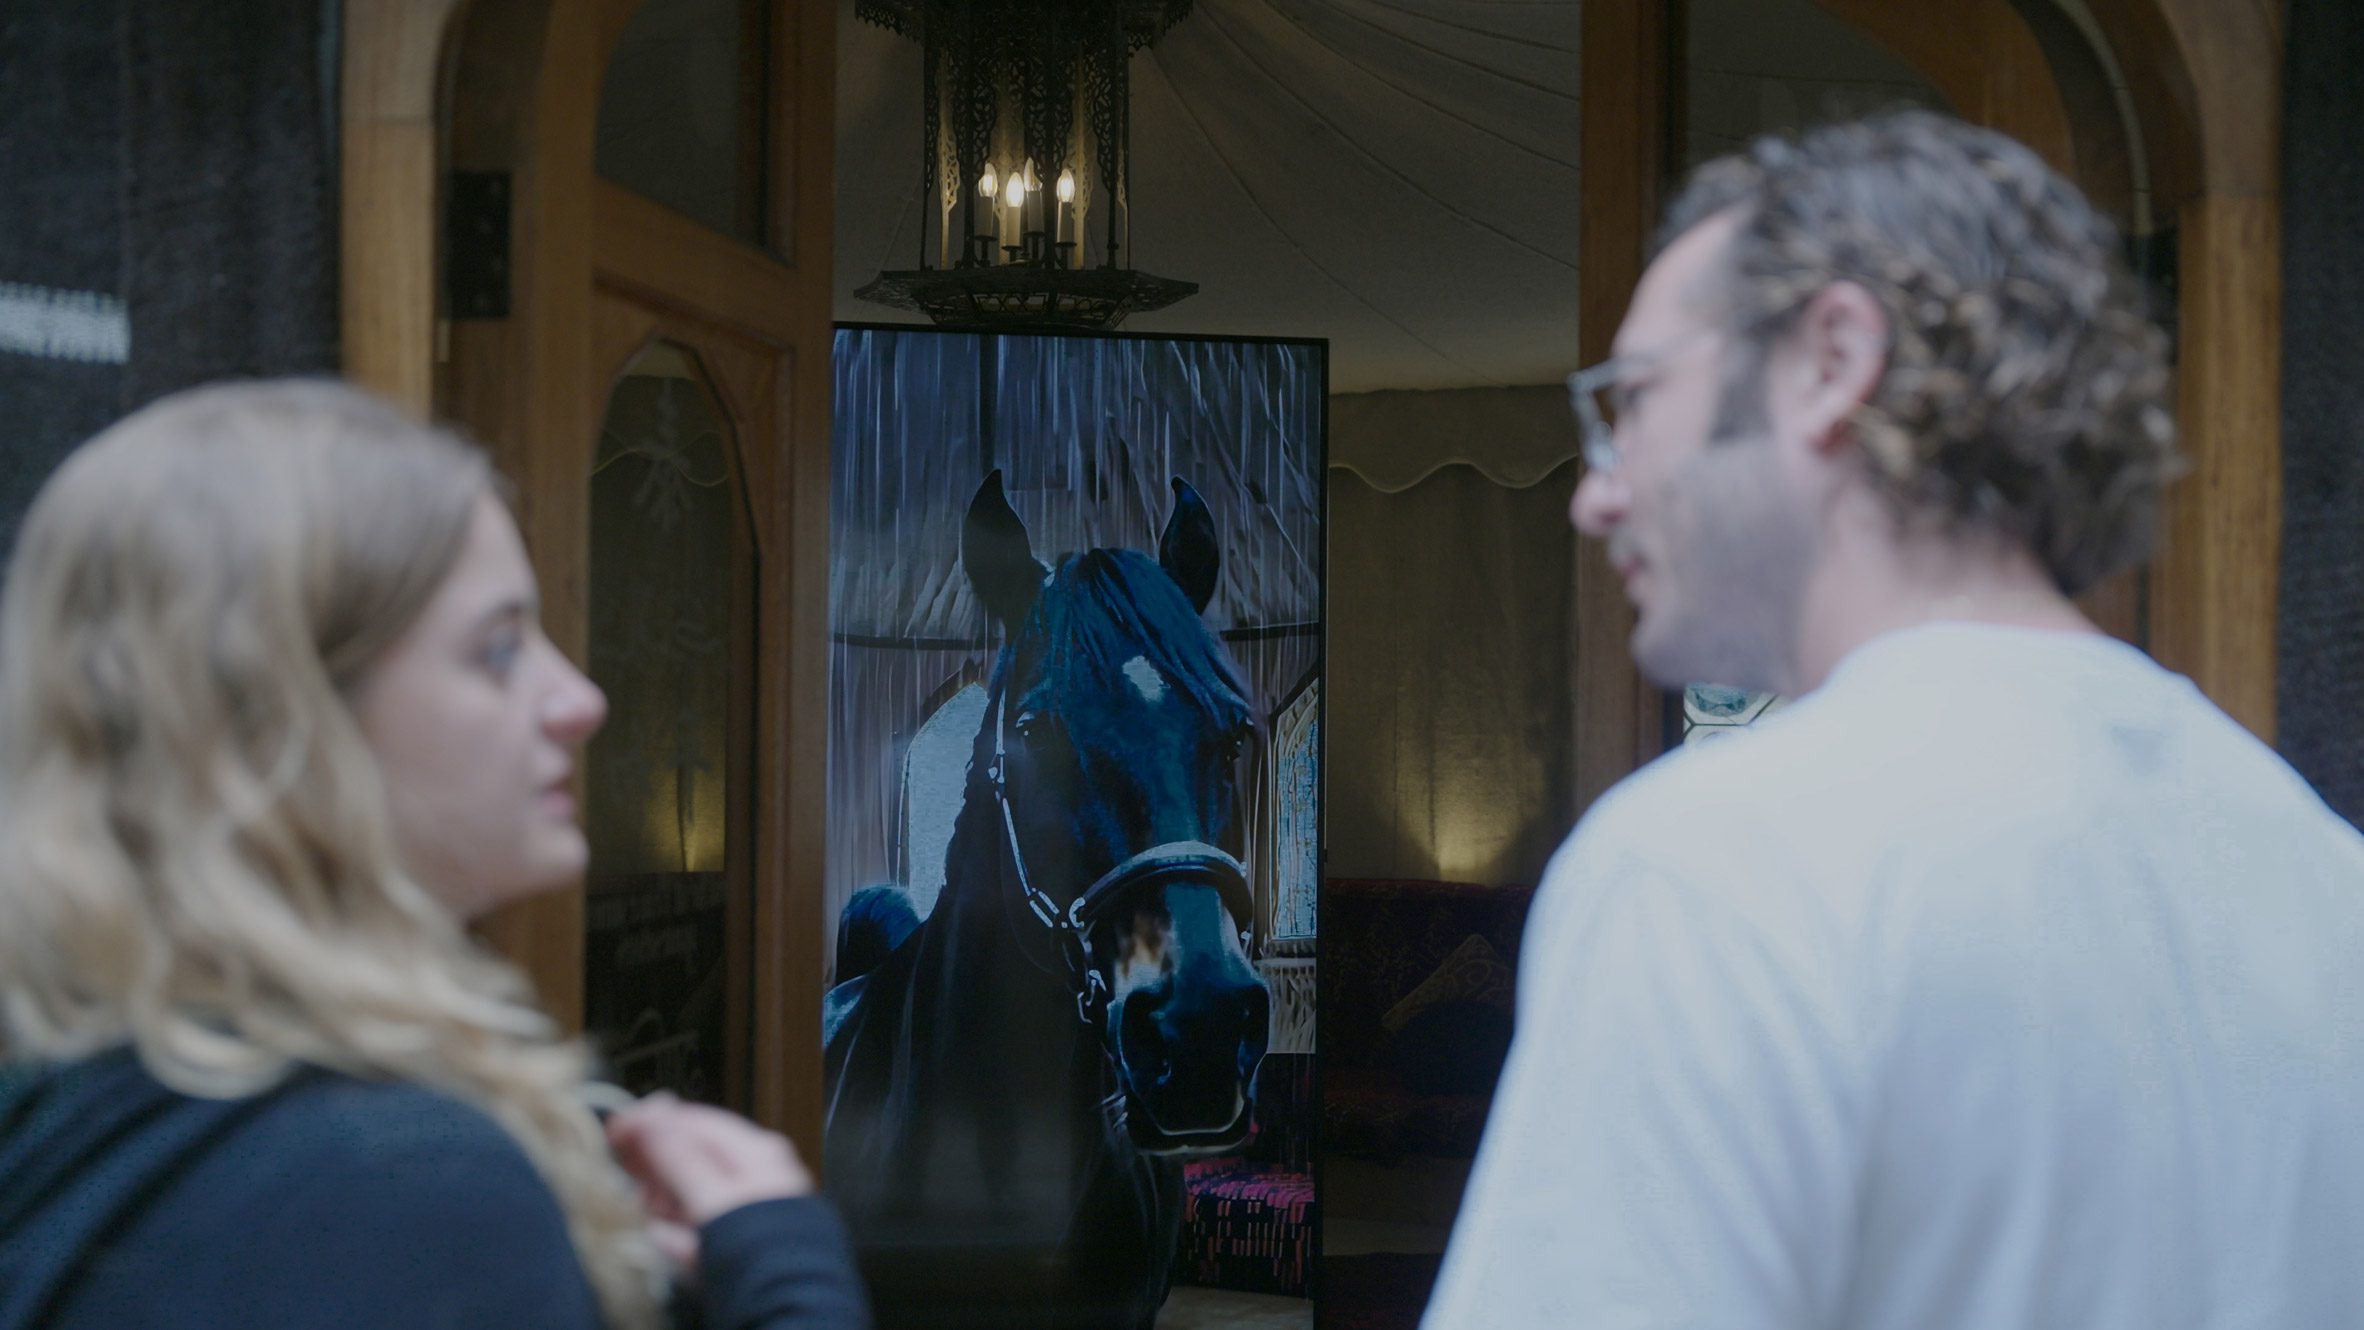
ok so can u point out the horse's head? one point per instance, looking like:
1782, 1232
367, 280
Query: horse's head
1112, 743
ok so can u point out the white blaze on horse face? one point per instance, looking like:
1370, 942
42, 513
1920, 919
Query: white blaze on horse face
1148, 954
1145, 679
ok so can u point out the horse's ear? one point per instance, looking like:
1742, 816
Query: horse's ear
994, 552
1188, 551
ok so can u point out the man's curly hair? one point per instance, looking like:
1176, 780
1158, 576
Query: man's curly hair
2026, 391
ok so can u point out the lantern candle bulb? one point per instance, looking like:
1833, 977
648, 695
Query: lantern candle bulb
1066, 191
1014, 196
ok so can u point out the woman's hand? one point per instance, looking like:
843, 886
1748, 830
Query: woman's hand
695, 1164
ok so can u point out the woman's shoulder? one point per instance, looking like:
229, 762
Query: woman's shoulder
398, 1154
109, 1109
335, 1117
388, 1151
388, 1203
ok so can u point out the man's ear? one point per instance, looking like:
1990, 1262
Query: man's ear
1842, 339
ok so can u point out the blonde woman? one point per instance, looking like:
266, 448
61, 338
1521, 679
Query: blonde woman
276, 720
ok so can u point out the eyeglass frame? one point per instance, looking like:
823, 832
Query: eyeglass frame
1598, 446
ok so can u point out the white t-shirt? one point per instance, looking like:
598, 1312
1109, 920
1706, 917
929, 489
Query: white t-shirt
2001, 982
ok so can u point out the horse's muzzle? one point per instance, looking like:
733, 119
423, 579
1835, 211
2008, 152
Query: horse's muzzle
1185, 1047
1187, 1054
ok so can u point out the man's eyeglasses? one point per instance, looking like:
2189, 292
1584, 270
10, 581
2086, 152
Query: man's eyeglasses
1605, 393
1600, 401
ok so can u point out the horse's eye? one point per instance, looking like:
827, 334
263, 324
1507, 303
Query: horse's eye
1029, 727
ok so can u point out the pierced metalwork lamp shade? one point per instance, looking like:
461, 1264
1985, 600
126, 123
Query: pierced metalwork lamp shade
1025, 134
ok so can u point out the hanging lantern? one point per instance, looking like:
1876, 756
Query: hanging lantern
1013, 93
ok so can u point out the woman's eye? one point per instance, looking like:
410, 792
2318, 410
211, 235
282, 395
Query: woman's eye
500, 654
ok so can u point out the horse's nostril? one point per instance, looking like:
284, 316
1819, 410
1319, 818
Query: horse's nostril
1144, 1043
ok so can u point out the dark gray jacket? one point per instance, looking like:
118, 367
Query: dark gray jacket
337, 1203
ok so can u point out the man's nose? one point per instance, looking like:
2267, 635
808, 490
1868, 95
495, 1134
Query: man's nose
1599, 504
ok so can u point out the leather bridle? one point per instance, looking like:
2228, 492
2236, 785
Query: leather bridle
1071, 925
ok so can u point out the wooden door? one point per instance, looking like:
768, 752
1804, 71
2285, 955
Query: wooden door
613, 305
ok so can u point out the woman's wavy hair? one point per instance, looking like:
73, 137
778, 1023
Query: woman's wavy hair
2027, 391
196, 855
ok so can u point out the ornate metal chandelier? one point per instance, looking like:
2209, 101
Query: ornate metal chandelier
1026, 132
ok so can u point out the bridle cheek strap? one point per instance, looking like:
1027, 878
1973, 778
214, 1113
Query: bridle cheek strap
1188, 860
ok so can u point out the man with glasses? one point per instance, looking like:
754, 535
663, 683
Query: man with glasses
2001, 980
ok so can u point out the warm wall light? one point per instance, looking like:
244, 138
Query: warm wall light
988, 184
1067, 186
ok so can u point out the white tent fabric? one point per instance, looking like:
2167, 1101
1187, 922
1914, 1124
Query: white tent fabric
1397, 176
1391, 441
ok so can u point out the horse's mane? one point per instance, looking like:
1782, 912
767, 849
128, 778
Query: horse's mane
1096, 612
1100, 609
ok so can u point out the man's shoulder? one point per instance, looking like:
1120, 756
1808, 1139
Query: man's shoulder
1929, 742
1734, 789
1791, 824
1732, 828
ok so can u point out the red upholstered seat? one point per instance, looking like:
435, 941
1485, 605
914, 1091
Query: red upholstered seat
1247, 1227
1248, 1219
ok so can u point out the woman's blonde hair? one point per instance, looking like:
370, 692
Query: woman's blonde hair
196, 856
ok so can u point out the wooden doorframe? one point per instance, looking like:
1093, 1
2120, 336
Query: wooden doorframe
1626, 81
391, 70
529, 387
1990, 62
2204, 77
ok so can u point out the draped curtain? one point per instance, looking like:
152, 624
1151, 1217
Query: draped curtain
1451, 633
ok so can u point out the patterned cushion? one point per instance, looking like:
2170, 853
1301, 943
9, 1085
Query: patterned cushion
1456, 1046
1382, 938
1247, 1227
1381, 941
1474, 972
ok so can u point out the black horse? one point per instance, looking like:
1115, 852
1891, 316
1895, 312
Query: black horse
1013, 1084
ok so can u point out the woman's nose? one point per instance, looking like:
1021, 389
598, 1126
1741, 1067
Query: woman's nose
575, 708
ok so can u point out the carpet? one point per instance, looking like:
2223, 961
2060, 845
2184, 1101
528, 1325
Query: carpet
1378, 1291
